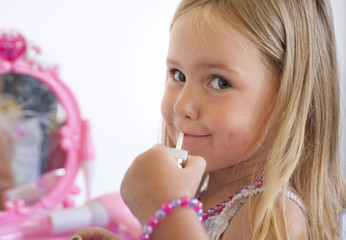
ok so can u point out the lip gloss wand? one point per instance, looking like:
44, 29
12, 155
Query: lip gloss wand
179, 154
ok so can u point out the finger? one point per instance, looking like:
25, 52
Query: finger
196, 167
150, 157
196, 163
94, 233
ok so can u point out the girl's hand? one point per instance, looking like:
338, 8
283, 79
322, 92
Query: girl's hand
154, 178
95, 233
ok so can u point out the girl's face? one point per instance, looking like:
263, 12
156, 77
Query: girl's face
218, 92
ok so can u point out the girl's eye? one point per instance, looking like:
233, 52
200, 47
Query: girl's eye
179, 76
219, 83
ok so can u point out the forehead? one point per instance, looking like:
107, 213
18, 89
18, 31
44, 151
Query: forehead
196, 31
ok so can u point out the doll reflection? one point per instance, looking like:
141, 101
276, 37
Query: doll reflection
29, 133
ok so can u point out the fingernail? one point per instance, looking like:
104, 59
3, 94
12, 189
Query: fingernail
76, 238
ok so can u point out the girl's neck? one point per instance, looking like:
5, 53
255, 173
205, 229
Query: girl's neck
228, 181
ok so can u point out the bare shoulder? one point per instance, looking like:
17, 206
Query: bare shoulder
242, 224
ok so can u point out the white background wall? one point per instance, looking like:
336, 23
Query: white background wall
112, 55
339, 8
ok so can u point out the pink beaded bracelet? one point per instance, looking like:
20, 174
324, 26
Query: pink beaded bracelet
168, 207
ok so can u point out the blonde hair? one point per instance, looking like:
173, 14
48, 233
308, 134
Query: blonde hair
297, 41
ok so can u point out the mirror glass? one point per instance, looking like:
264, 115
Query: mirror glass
30, 120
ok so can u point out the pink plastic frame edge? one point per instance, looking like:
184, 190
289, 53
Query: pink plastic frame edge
72, 137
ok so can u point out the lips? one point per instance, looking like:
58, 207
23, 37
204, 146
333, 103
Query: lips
187, 135
192, 133
195, 134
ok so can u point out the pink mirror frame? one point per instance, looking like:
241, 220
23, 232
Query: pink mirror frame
19, 57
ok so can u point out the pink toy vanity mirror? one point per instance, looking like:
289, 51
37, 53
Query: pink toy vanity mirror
43, 139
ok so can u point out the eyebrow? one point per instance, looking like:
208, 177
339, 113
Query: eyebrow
172, 61
207, 65
220, 66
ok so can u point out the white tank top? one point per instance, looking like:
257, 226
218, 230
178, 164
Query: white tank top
216, 225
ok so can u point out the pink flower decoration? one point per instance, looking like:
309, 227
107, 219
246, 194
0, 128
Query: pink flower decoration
11, 46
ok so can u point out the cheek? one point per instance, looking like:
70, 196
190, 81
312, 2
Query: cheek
167, 113
167, 104
235, 125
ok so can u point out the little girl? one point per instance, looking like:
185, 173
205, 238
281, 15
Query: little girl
253, 86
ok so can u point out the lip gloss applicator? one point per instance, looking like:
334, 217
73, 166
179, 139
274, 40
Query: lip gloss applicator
179, 154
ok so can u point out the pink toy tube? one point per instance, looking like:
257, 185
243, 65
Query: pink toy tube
121, 218
108, 211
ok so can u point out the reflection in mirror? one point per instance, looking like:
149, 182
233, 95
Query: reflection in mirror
31, 117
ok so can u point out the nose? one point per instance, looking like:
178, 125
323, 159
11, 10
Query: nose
186, 104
